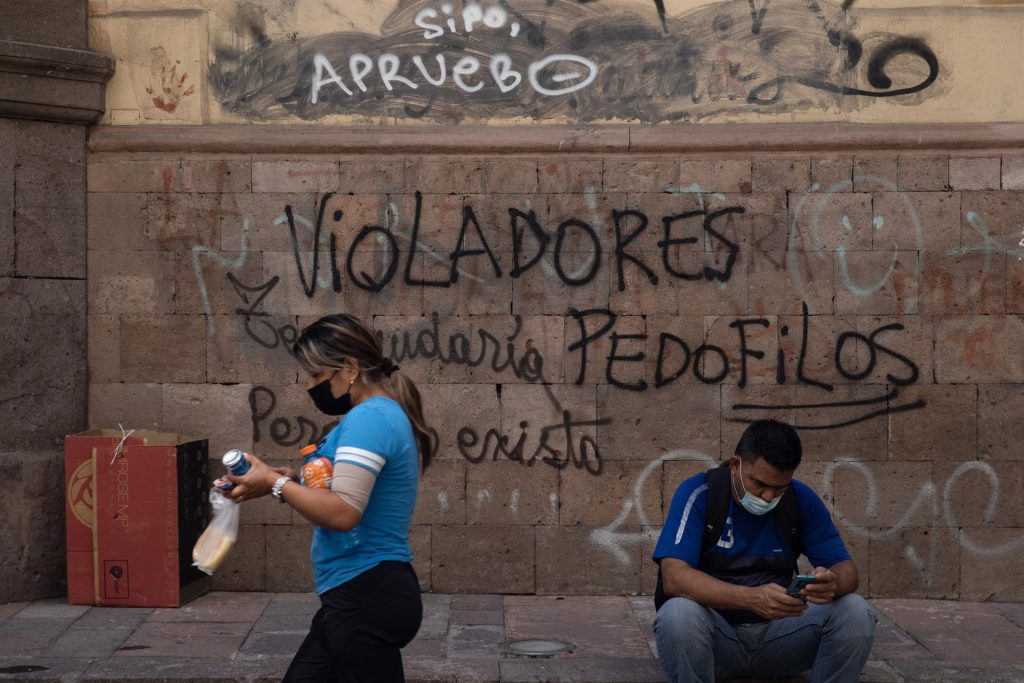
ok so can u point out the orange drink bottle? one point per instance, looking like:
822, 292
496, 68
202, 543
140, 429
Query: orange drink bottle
317, 471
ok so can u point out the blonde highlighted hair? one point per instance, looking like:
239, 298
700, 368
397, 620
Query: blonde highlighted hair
333, 338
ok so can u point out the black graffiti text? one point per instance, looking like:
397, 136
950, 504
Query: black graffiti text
460, 349
287, 431
261, 330
581, 450
531, 242
711, 364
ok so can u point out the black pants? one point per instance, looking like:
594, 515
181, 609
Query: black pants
360, 627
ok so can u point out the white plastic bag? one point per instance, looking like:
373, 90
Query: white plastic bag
213, 546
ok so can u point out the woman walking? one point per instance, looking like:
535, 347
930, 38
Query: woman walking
369, 593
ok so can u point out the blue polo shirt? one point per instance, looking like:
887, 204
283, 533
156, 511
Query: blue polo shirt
752, 549
377, 436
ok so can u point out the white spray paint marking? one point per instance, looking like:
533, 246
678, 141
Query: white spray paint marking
481, 496
615, 541
694, 189
442, 501
815, 229
844, 270
569, 72
926, 498
988, 246
199, 251
990, 510
513, 503
612, 540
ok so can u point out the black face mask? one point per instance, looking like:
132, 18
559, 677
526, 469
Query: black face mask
325, 401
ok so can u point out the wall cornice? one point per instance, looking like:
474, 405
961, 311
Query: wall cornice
694, 139
52, 83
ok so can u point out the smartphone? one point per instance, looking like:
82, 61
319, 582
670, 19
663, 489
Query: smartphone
798, 583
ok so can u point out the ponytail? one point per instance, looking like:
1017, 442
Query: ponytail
408, 396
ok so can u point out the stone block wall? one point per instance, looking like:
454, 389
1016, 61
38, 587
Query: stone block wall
42, 344
587, 330
51, 86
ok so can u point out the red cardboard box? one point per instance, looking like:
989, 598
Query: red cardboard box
135, 508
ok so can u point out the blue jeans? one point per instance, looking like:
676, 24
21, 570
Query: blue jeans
833, 641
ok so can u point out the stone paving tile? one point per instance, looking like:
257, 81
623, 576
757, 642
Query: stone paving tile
429, 670
985, 638
589, 669
185, 669
477, 601
1012, 611
892, 642
289, 623
220, 606
949, 672
10, 609
441, 599
598, 626
293, 604
436, 615
87, 642
21, 637
643, 610
113, 617
53, 609
42, 669
958, 631
470, 617
287, 613
198, 639
879, 672
474, 642
271, 645
435, 647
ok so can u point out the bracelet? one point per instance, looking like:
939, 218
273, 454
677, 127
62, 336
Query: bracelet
278, 488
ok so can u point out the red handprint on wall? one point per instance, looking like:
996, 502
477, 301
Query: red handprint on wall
172, 88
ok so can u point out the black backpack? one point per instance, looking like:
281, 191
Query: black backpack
786, 514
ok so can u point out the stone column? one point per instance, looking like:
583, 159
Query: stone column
51, 89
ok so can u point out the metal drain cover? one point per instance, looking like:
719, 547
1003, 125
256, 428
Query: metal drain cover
536, 647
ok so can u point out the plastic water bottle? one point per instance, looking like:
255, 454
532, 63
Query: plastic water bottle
317, 471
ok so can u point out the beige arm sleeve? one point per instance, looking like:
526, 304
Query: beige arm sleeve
353, 484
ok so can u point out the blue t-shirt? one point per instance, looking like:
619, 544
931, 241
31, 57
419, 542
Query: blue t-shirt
375, 435
752, 549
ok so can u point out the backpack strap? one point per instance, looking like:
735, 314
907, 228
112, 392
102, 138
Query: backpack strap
719, 493
787, 516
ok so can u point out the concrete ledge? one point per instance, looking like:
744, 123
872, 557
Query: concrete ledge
52, 83
539, 139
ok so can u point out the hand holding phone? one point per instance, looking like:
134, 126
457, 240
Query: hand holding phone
799, 582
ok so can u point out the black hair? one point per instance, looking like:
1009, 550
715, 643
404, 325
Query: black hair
776, 442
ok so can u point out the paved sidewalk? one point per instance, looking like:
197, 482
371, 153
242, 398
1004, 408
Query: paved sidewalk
251, 636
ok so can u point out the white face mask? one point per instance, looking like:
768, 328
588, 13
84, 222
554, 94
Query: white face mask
753, 504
